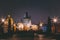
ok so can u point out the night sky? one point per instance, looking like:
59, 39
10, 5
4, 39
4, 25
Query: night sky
38, 9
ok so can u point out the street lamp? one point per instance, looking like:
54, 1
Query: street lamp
55, 20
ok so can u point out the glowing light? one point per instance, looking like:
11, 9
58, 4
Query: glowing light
14, 24
3, 19
41, 24
14, 27
6, 22
20, 26
34, 27
55, 20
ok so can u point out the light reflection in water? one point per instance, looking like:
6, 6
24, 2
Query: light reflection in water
38, 37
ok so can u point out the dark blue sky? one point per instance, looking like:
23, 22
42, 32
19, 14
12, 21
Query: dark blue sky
38, 9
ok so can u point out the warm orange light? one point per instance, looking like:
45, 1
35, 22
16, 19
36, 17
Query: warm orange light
53, 29
6, 22
14, 27
34, 27
41, 24
20, 26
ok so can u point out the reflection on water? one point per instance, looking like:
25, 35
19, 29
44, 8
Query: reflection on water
37, 37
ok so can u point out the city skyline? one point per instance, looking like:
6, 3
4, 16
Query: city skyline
38, 9
29, 19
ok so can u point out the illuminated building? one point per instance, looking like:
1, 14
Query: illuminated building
20, 26
41, 25
44, 28
14, 27
8, 24
26, 21
1, 24
57, 29
34, 27
53, 28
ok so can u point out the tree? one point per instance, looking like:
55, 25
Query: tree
49, 25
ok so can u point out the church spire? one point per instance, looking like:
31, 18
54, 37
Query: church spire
26, 15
